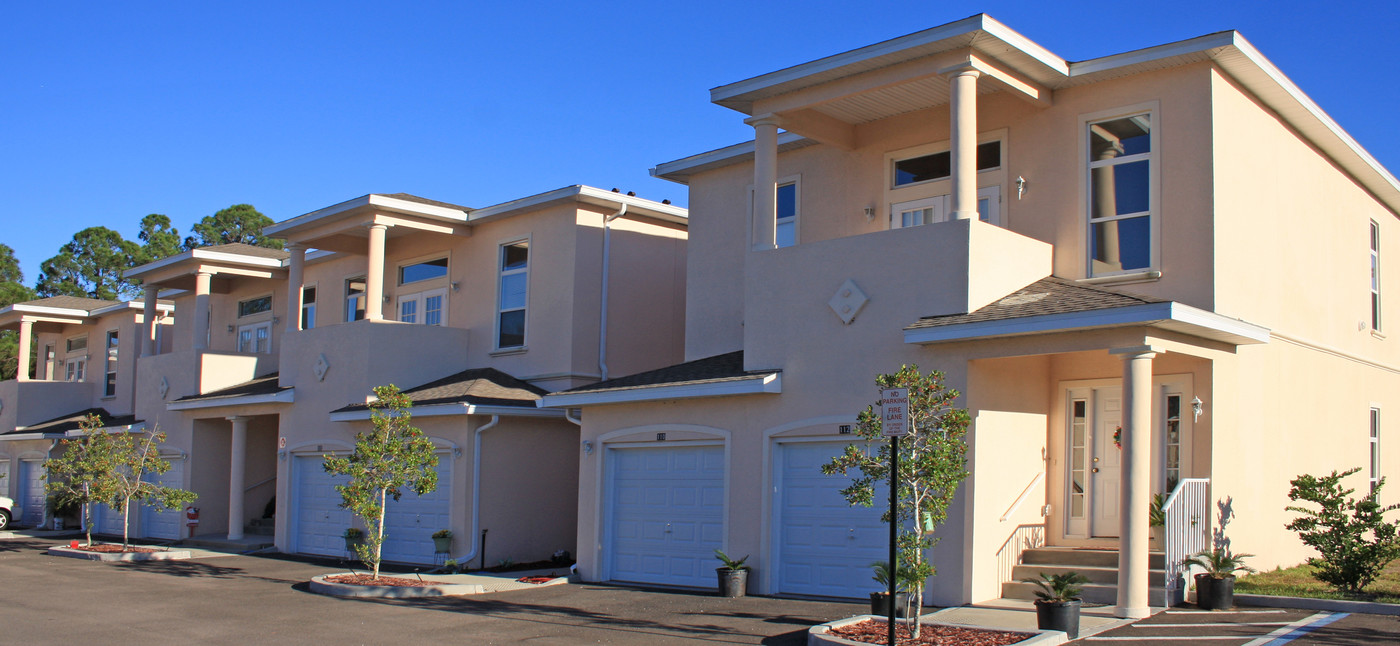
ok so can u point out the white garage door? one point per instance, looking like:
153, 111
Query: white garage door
409, 523
667, 514
166, 524
31, 491
318, 520
4, 477
825, 546
107, 520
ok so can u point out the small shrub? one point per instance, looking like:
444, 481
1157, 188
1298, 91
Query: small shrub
1351, 535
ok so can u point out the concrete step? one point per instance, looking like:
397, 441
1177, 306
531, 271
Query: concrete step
260, 530
1093, 593
1074, 556
1106, 575
221, 543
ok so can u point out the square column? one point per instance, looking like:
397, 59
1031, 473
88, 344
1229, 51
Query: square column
202, 282
26, 337
374, 273
1136, 482
765, 181
148, 321
237, 463
963, 144
295, 270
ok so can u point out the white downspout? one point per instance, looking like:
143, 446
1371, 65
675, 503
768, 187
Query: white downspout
603, 318
473, 539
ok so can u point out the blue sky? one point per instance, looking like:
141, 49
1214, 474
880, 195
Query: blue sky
112, 111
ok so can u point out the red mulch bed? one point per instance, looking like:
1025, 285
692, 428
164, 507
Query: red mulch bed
536, 579
877, 632
392, 581
113, 548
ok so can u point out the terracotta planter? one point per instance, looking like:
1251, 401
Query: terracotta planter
732, 583
1058, 615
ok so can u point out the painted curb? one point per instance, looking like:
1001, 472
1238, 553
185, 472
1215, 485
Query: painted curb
170, 555
820, 635
1304, 603
7, 534
320, 585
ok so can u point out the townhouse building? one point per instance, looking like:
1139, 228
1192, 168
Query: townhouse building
1173, 249
475, 313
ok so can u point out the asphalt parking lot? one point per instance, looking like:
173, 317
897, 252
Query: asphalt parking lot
1253, 627
256, 600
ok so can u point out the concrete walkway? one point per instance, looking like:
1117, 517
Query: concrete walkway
1017, 614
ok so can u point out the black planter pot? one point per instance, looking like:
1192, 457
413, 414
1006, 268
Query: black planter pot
732, 583
1058, 615
880, 604
1215, 594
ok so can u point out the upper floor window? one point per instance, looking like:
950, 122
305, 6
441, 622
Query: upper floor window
354, 299
308, 308
76, 343
937, 209
254, 306
786, 234
939, 165
424, 307
256, 337
1375, 473
514, 284
75, 369
1375, 276
420, 271
1121, 194
109, 384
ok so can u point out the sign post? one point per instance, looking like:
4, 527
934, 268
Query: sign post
894, 422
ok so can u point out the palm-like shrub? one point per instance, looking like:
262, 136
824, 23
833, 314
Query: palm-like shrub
1057, 588
1220, 563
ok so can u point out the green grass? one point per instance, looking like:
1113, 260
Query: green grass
1298, 581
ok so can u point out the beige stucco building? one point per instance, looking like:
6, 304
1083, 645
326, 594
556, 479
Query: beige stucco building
1174, 241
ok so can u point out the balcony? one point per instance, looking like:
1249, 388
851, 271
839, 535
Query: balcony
23, 403
344, 362
170, 376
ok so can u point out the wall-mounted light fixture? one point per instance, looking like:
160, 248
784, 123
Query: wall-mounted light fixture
456, 285
230, 329
587, 447
1197, 407
1022, 187
276, 320
282, 455
869, 213
386, 298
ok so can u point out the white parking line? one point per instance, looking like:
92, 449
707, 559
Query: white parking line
1232, 612
1163, 639
1298, 629
1216, 623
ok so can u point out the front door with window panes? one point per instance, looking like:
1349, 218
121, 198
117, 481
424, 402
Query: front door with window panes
428, 307
255, 337
938, 209
75, 369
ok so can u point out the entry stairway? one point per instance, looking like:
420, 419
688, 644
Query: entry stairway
1100, 566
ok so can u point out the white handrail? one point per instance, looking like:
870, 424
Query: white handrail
1187, 531
1039, 475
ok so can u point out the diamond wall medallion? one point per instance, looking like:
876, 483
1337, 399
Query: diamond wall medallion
164, 387
848, 302
321, 367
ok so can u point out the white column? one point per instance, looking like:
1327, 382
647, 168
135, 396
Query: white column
374, 273
765, 181
148, 321
1136, 487
294, 286
26, 337
963, 113
202, 281
237, 461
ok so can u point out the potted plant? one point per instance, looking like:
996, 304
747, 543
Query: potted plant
442, 541
1057, 601
1157, 519
1215, 587
353, 536
733, 576
880, 601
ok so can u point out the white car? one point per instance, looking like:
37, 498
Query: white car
8, 510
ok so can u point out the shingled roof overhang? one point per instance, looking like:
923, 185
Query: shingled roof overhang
263, 390
478, 391
1052, 305
66, 425
718, 376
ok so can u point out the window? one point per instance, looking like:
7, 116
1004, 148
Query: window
423, 307
255, 338
936, 209
1079, 450
76, 343
421, 271
786, 234
1375, 276
354, 299
75, 369
1375, 448
1172, 437
308, 308
50, 366
510, 308
1121, 197
254, 306
109, 387
939, 165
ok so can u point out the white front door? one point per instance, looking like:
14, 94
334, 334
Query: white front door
318, 522
824, 546
667, 514
410, 521
1105, 472
31, 493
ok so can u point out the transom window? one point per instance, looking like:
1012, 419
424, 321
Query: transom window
514, 287
421, 271
939, 165
254, 306
1120, 194
76, 343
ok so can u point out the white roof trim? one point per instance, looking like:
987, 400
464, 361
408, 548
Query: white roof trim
758, 384
16, 437
681, 168
133, 305
1146, 314
280, 397
588, 194
202, 254
138, 427
43, 309
438, 410
371, 200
